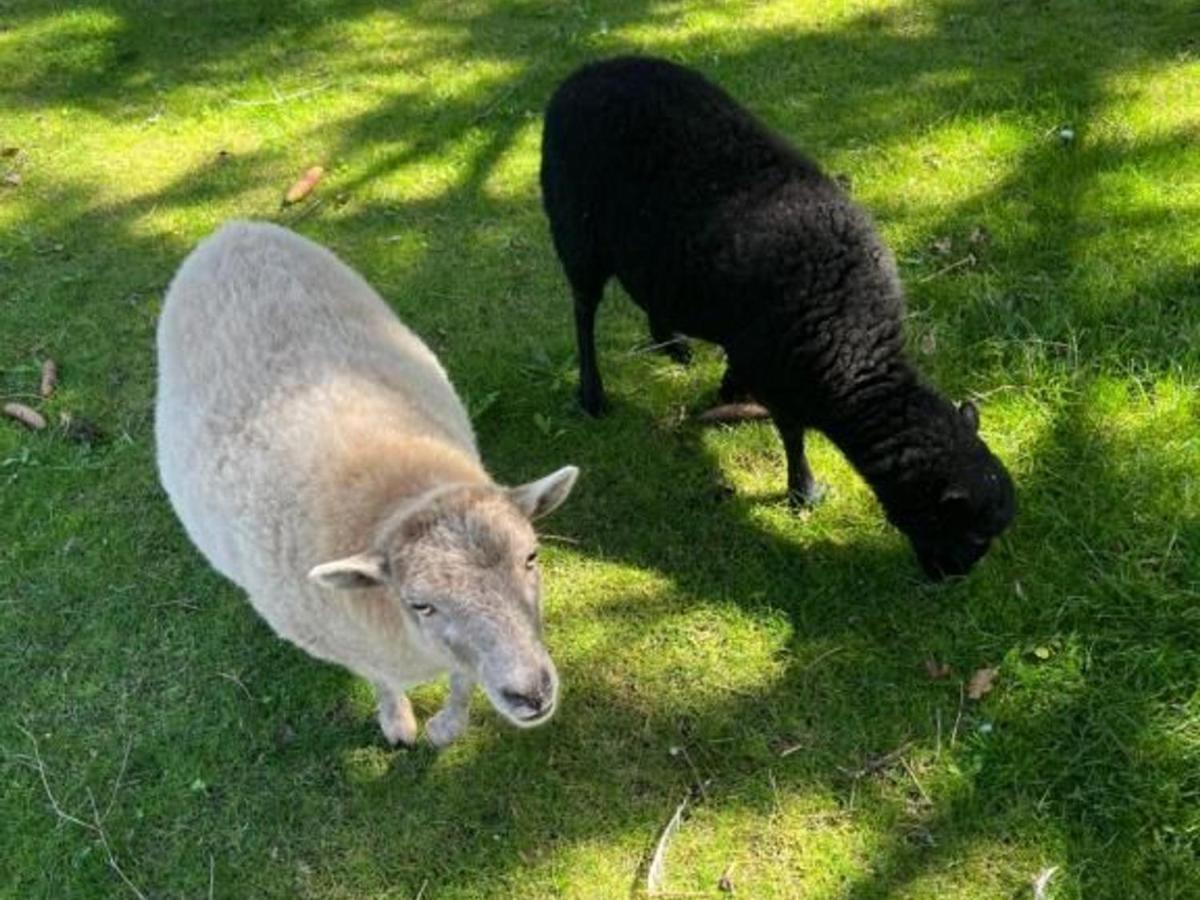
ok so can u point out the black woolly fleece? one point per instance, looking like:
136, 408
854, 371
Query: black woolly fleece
719, 229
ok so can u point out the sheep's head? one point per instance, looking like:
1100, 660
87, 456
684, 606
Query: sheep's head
956, 506
460, 568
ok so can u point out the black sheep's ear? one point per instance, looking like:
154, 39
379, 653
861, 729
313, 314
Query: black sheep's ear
970, 414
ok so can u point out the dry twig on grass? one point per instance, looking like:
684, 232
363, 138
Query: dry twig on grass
877, 763
656, 873
96, 826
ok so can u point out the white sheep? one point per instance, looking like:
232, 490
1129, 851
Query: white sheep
318, 456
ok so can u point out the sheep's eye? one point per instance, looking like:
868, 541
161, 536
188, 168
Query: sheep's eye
531, 560
422, 609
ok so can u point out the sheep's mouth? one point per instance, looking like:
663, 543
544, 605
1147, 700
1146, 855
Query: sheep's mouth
525, 716
952, 565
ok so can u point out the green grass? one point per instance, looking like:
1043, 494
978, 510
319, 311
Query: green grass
700, 636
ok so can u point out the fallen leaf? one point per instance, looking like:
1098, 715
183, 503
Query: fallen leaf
1043, 652
1041, 880
928, 343
981, 683
936, 670
943, 245
30, 418
979, 236
49, 377
734, 412
303, 186
725, 882
13, 179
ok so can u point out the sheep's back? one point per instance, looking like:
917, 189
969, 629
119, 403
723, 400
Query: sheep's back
713, 222
274, 357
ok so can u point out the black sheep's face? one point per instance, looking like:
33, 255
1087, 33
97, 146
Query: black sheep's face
954, 514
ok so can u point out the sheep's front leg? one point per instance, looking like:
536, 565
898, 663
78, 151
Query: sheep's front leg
396, 716
803, 489
450, 721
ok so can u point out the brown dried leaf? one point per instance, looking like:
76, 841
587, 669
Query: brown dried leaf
943, 245
13, 179
49, 377
734, 412
979, 236
981, 683
725, 882
936, 670
30, 418
304, 185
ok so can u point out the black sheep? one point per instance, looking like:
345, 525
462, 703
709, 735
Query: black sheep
718, 229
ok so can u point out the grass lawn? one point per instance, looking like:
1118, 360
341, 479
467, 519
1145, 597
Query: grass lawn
704, 635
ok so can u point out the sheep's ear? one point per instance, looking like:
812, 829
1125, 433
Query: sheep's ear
363, 570
542, 497
970, 414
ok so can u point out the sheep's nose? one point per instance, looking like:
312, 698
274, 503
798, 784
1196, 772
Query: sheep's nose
537, 700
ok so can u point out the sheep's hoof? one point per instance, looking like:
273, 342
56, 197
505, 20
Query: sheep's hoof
594, 403
445, 727
397, 722
808, 497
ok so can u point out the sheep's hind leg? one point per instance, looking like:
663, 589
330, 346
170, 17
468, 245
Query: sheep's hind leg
591, 389
396, 716
670, 342
733, 389
803, 489
452, 719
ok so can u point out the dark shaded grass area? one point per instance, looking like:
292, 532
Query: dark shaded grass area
113, 630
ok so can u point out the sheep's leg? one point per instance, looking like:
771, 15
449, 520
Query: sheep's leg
670, 342
732, 389
591, 390
803, 489
450, 721
396, 716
